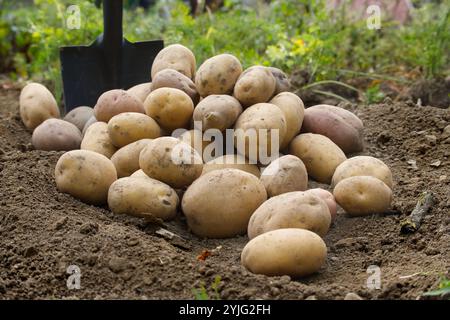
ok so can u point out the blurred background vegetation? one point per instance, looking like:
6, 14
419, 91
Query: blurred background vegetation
298, 36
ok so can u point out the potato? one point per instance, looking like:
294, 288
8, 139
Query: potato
282, 81
176, 57
261, 120
126, 159
319, 154
171, 161
88, 123
116, 101
139, 174
196, 140
171, 108
255, 85
129, 127
363, 166
219, 204
293, 110
285, 174
293, 252
169, 78
97, 139
218, 75
85, 175
36, 104
217, 112
341, 126
235, 161
79, 116
56, 134
143, 198
328, 197
141, 91
363, 195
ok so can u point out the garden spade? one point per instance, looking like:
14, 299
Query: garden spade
110, 62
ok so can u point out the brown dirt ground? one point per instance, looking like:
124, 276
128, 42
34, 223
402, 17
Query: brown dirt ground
43, 231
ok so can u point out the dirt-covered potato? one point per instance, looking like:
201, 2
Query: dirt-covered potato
255, 85
56, 134
340, 125
320, 155
116, 101
129, 127
126, 159
88, 123
141, 91
171, 161
234, 161
171, 108
293, 252
293, 110
282, 81
79, 116
176, 57
363, 166
169, 78
363, 195
219, 204
86, 175
143, 198
285, 174
218, 75
217, 112
36, 104
328, 197
291, 210
96, 138
259, 131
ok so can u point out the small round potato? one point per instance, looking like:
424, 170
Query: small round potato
143, 198
85, 175
129, 127
171, 108
88, 123
293, 252
97, 139
235, 161
126, 159
282, 81
141, 91
285, 174
320, 155
176, 57
56, 134
116, 101
291, 210
363, 166
79, 116
36, 104
218, 75
171, 161
255, 85
217, 112
219, 204
169, 78
328, 197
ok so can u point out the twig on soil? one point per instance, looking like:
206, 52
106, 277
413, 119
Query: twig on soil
412, 223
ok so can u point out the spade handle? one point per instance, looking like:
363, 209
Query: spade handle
112, 36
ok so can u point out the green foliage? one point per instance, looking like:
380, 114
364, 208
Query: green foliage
442, 291
374, 94
202, 293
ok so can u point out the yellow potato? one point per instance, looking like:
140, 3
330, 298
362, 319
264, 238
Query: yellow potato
86, 175
255, 85
56, 134
217, 112
126, 159
116, 101
176, 57
141, 91
169, 78
139, 174
79, 116
235, 161
97, 139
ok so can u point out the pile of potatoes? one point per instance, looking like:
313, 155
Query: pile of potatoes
128, 152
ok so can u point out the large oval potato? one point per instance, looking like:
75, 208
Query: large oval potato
56, 134
320, 155
143, 198
293, 252
328, 197
171, 108
234, 161
141, 91
129, 127
169, 78
217, 112
86, 175
116, 101
282, 81
79, 116
363, 166
255, 85
126, 159
363, 195
219, 204
285, 174
96, 138
36, 104
340, 125
176, 57
171, 161
291, 210
218, 75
